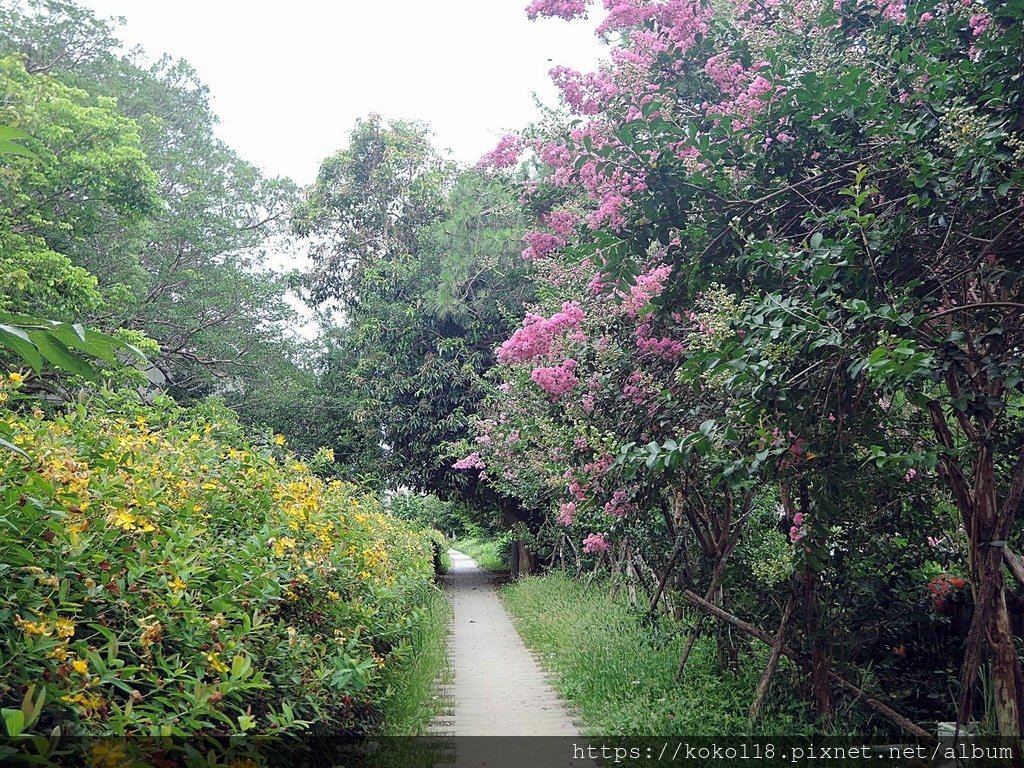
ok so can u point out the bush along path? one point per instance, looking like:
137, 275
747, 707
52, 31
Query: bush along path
171, 589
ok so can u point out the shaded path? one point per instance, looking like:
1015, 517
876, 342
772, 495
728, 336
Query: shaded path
498, 687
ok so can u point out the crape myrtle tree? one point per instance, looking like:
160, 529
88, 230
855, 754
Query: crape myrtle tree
846, 178
417, 270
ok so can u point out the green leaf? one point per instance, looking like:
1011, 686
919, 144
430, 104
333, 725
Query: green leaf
57, 353
17, 340
8, 137
13, 447
14, 721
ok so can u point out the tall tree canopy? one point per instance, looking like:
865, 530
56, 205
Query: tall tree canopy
422, 264
172, 237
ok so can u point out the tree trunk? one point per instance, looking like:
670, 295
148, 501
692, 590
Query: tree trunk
987, 526
523, 561
817, 637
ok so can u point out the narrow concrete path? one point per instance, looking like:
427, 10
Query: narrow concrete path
498, 688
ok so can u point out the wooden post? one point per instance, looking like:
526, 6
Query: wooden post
887, 712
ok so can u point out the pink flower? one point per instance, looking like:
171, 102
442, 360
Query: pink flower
648, 285
979, 22
619, 505
505, 155
562, 224
473, 461
758, 87
541, 244
595, 542
556, 380
534, 339
566, 513
563, 9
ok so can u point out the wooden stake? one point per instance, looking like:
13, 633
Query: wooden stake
767, 639
773, 661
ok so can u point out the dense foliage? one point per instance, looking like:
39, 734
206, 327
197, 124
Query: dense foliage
131, 216
783, 251
170, 582
420, 264
743, 328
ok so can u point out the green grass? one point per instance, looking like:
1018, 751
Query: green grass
617, 674
490, 554
413, 701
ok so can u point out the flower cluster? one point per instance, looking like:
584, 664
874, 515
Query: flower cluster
505, 155
556, 380
534, 339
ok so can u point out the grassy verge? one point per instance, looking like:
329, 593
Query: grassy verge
618, 673
412, 701
491, 554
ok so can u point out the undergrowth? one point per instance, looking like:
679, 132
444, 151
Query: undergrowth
411, 701
615, 668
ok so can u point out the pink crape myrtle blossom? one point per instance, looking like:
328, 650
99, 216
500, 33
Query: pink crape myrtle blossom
556, 380
557, 9
505, 155
660, 347
584, 93
566, 513
595, 542
619, 505
534, 339
473, 461
979, 22
563, 224
648, 285
541, 244
796, 531
678, 21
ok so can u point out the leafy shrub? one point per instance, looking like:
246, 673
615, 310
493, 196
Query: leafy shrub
166, 584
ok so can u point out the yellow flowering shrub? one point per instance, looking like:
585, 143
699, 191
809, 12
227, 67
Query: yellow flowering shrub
167, 582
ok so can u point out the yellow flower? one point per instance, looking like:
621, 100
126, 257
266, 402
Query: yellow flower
108, 754
91, 702
214, 660
123, 519
279, 440
177, 585
151, 630
81, 666
33, 627
285, 542
17, 377
65, 628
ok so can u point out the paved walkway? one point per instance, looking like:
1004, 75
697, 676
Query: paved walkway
497, 688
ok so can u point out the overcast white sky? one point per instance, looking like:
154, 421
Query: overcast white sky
290, 79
